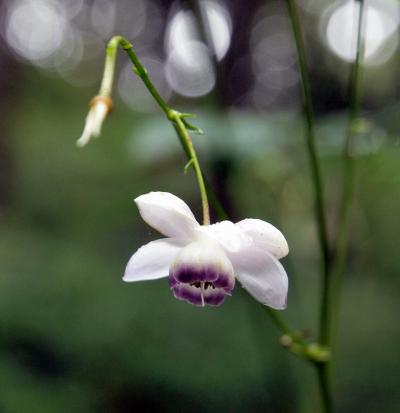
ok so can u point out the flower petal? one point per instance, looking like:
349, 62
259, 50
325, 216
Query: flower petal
231, 237
152, 261
262, 276
265, 236
87, 131
167, 213
100, 112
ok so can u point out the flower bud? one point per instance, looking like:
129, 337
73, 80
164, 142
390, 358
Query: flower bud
100, 107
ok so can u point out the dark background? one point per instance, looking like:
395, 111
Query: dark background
73, 336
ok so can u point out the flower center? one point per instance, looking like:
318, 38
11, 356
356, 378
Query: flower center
201, 274
203, 285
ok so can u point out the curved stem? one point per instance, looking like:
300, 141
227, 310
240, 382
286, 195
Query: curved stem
175, 117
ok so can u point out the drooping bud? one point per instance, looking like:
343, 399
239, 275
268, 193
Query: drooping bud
201, 274
100, 107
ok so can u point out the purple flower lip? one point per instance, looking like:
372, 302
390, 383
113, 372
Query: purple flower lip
198, 296
201, 286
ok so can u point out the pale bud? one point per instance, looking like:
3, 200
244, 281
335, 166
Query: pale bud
100, 107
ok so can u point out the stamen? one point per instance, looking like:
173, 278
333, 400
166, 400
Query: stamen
208, 284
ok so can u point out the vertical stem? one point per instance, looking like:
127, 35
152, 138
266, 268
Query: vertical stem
324, 386
341, 240
323, 368
314, 162
310, 135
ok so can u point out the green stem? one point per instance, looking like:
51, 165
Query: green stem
294, 342
174, 116
324, 386
278, 321
314, 162
348, 179
322, 368
109, 70
189, 149
310, 135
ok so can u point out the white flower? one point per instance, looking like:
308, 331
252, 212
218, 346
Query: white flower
203, 261
100, 107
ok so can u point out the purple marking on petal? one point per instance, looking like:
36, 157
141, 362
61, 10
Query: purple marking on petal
186, 274
190, 273
210, 274
172, 280
214, 297
225, 281
188, 293
201, 283
192, 294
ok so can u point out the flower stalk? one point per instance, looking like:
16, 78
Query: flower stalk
178, 119
186, 141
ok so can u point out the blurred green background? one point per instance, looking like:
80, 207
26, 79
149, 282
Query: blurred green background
73, 336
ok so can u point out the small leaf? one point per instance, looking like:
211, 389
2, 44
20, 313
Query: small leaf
193, 128
187, 166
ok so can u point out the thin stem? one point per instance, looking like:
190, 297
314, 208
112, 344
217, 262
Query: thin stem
140, 70
174, 116
293, 341
314, 163
322, 368
324, 386
142, 73
310, 135
278, 321
342, 234
188, 144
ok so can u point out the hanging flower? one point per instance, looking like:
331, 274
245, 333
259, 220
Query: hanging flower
100, 107
202, 262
